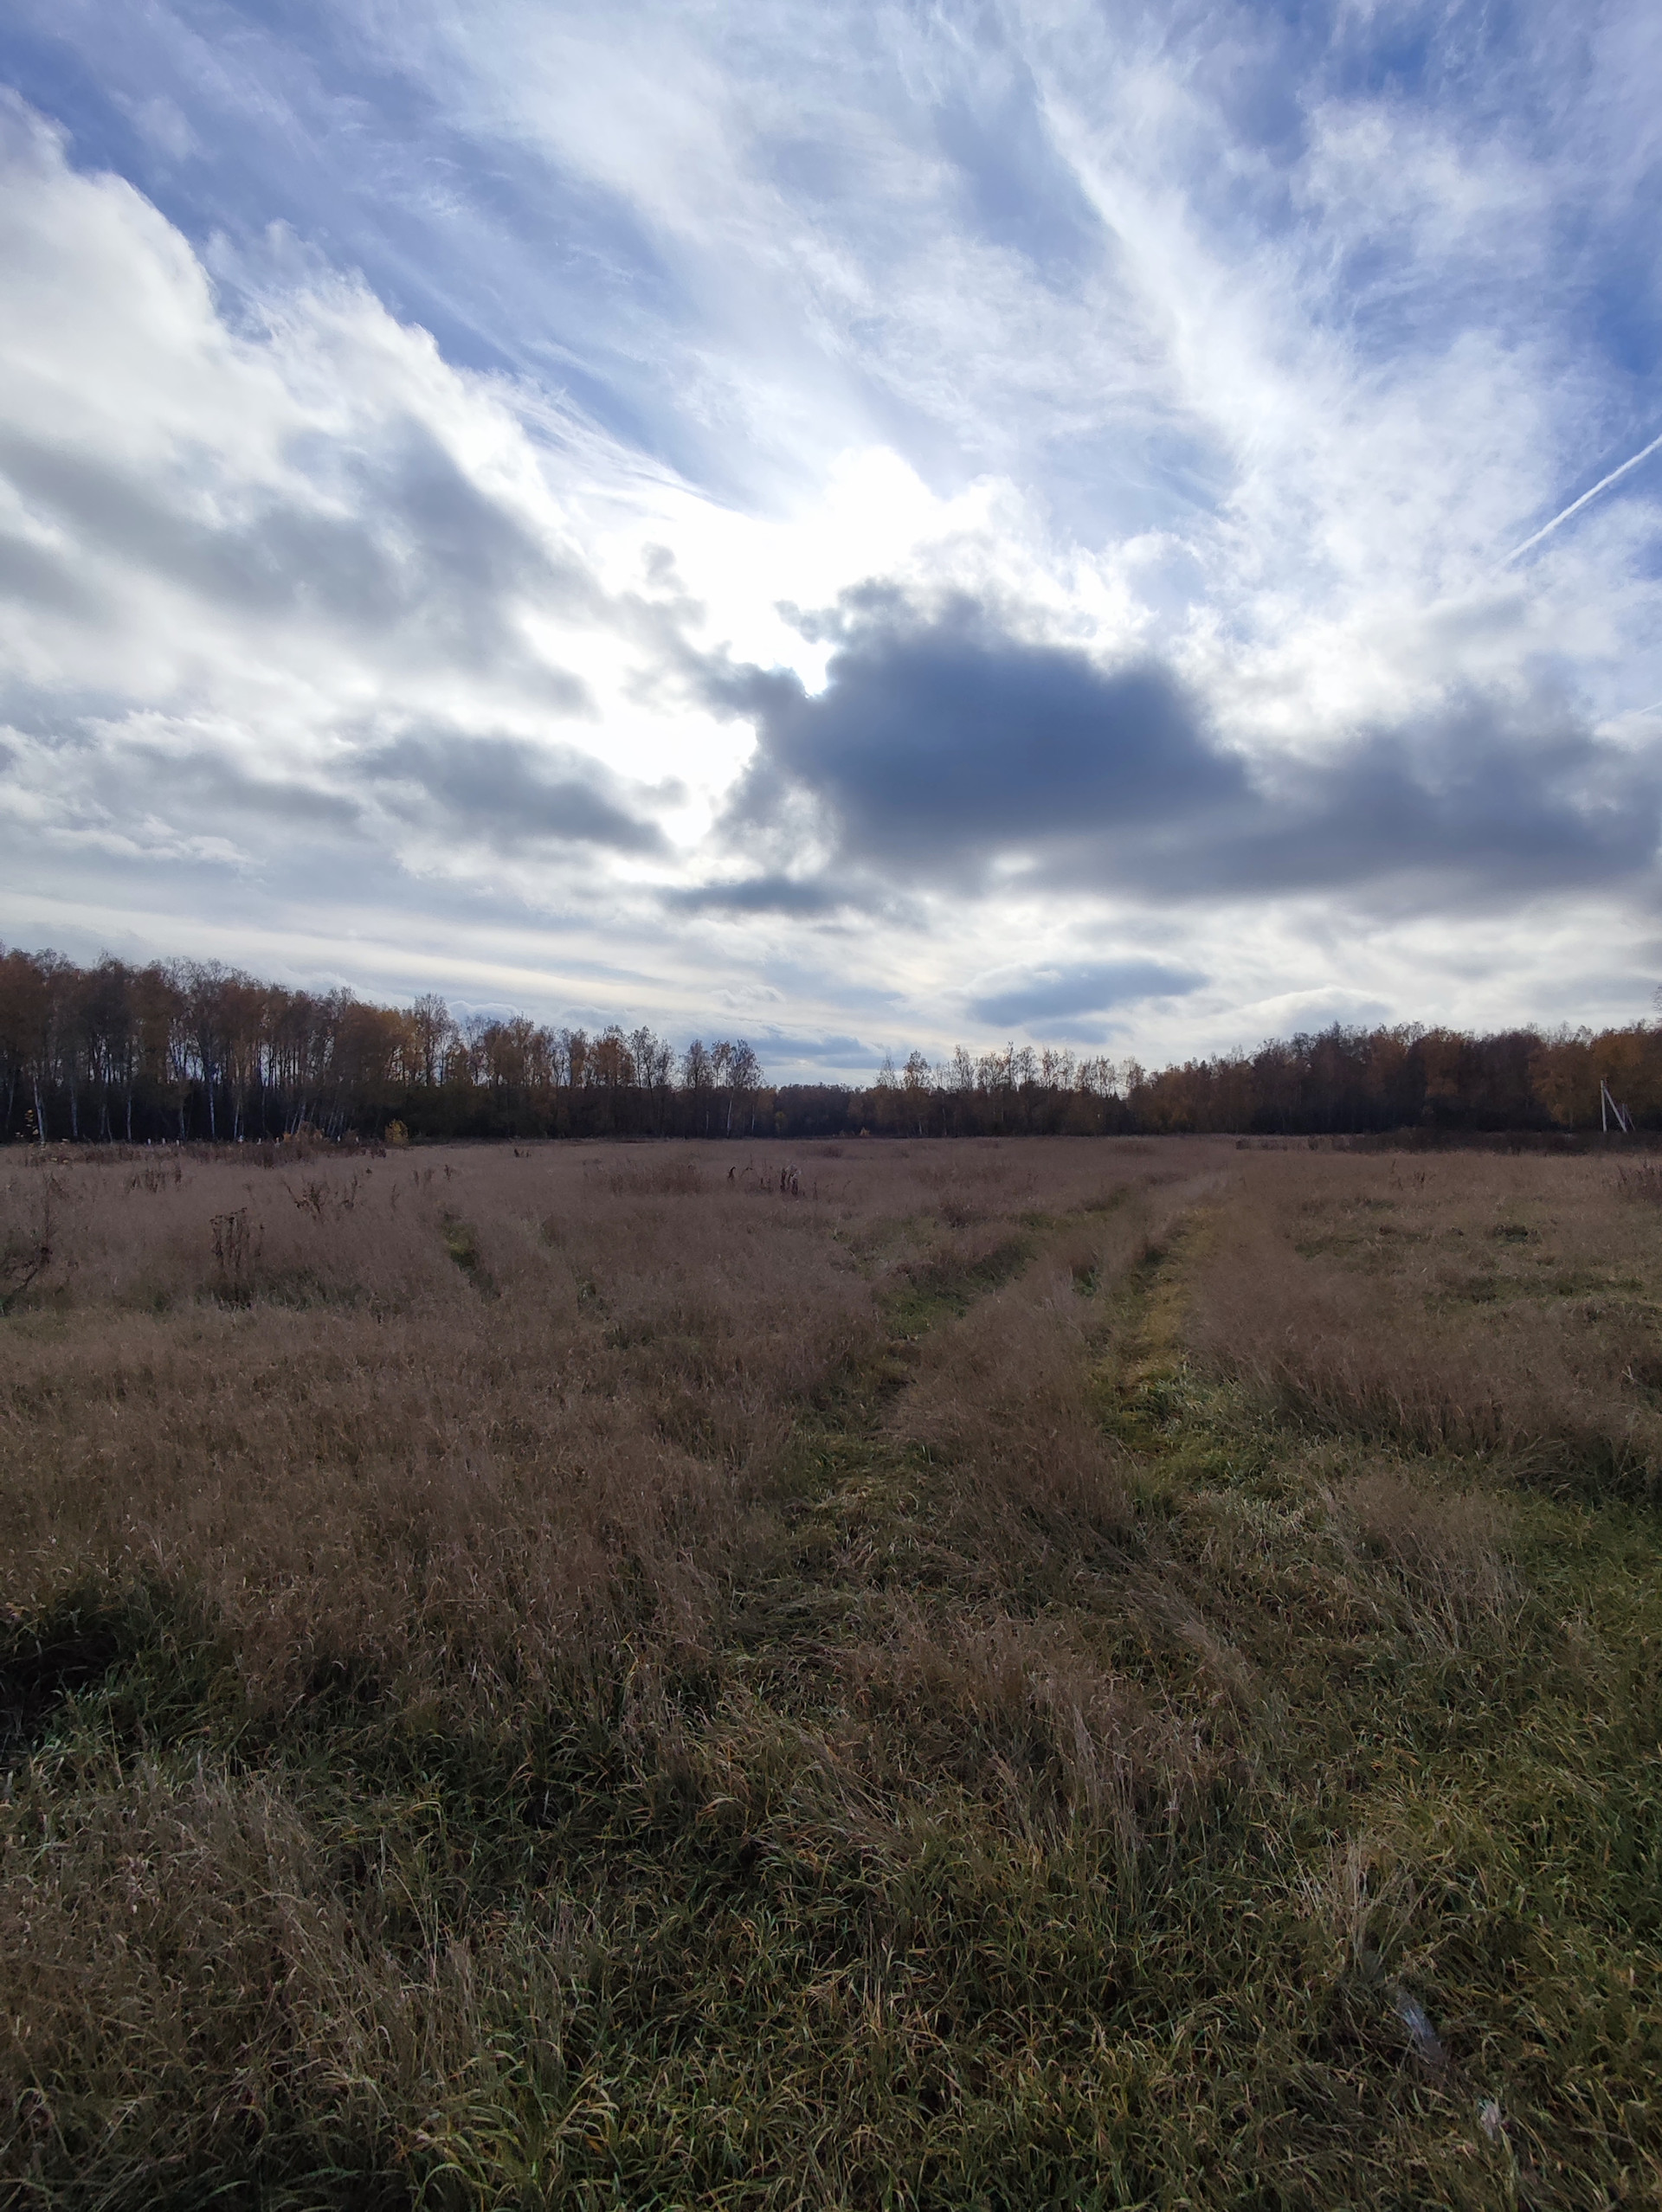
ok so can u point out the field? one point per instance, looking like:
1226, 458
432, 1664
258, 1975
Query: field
1052, 1673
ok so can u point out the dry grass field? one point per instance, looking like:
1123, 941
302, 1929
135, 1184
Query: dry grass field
1052, 1673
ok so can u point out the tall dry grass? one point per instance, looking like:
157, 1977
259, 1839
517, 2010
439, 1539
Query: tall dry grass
1004, 1397
433, 1427
595, 1661
438, 1423
470, 1442
1452, 1304
188, 1976
1001, 1654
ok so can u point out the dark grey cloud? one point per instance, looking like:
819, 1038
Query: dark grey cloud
775, 894
941, 743
200, 789
505, 792
1491, 796
1058, 993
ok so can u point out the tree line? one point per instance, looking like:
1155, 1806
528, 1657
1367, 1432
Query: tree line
191, 1050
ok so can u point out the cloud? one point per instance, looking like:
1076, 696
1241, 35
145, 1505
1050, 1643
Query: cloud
1495, 799
503, 791
1052, 994
36, 575
401, 548
945, 748
226, 553
775, 894
941, 741
1187, 373
778, 1047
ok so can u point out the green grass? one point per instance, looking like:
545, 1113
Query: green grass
776, 1926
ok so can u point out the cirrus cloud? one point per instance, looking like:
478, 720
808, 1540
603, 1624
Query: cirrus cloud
418, 429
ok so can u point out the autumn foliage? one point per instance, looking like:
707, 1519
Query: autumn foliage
194, 1051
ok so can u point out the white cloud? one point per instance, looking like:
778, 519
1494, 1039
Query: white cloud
1163, 333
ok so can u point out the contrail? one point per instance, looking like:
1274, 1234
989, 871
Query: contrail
1576, 506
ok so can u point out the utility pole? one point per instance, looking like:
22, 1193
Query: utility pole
1608, 1106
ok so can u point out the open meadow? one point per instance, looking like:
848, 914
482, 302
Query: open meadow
1053, 1672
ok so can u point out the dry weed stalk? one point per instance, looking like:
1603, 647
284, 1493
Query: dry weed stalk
28, 1242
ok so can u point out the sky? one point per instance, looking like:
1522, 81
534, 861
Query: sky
864, 527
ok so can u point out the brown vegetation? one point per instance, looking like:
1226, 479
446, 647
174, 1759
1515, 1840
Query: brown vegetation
1455, 1304
437, 1425
870, 1674
193, 1051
